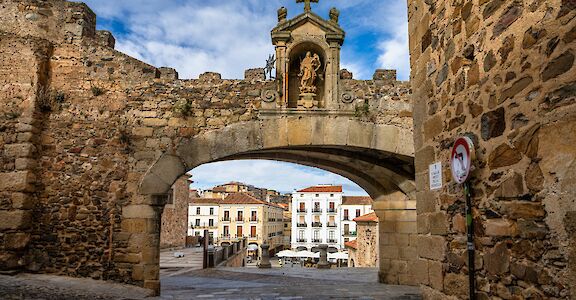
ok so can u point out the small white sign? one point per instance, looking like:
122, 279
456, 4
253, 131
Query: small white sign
435, 171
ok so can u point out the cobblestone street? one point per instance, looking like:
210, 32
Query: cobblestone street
222, 283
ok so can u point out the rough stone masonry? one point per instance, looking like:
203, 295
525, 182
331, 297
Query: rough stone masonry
502, 73
91, 140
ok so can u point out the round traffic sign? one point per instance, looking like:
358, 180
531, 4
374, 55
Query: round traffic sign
461, 159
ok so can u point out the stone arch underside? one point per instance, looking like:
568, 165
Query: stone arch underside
379, 166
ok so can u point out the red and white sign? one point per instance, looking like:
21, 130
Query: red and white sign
461, 159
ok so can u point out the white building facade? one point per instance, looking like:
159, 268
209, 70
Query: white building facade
353, 207
316, 218
203, 214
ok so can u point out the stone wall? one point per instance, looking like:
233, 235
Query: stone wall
368, 241
502, 73
174, 227
82, 123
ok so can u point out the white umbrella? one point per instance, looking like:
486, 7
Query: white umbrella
306, 253
287, 253
338, 255
252, 247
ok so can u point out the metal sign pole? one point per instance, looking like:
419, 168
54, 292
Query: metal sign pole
470, 243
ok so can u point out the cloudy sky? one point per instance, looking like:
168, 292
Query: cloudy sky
229, 36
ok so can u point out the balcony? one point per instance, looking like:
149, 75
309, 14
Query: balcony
316, 224
254, 220
239, 219
204, 226
301, 240
226, 219
331, 210
331, 225
346, 218
225, 237
350, 233
301, 225
332, 241
317, 211
316, 240
302, 210
253, 237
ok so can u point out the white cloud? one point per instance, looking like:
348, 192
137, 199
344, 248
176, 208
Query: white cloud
280, 176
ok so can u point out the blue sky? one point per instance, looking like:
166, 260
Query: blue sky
230, 36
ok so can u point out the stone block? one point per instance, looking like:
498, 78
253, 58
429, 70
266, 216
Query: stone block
432, 247
153, 285
424, 157
299, 131
22, 164
16, 241
456, 285
257, 74
139, 212
360, 134
154, 122
168, 73
500, 227
497, 261
436, 275
143, 131
19, 150
138, 273
522, 209
438, 223
16, 219
22, 201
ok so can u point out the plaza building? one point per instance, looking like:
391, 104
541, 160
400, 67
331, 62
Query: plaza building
363, 250
353, 207
203, 213
316, 217
242, 215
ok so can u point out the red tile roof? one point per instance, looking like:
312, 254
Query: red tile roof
371, 217
351, 244
322, 189
243, 198
205, 201
357, 200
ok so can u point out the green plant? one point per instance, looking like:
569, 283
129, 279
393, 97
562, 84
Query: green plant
362, 110
97, 91
183, 108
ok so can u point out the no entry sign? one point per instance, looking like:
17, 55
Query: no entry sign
461, 159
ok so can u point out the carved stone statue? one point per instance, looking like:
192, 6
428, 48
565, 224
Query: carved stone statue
334, 15
282, 13
309, 72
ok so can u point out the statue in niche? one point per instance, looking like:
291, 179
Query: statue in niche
309, 72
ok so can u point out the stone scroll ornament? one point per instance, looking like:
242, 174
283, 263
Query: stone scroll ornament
269, 96
347, 97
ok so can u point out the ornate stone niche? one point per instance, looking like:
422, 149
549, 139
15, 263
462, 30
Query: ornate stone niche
308, 60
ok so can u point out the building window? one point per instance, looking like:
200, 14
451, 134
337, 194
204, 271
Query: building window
211, 211
316, 234
226, 215
357, 213
331, 235
197, 222
197, 210
301, 195
253, 216
226, 231
317, 195
331, 195
240, 216
211, 222
253, 231
345, 215
239, 231
346, 240
301, 234
285, 225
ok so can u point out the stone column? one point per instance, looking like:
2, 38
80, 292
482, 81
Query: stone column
265, 261
323, 263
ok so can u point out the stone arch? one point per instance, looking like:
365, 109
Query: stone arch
377, 157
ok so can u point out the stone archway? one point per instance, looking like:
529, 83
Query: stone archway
372, 155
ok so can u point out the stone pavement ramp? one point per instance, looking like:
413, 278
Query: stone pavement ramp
282, 283
51, 287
